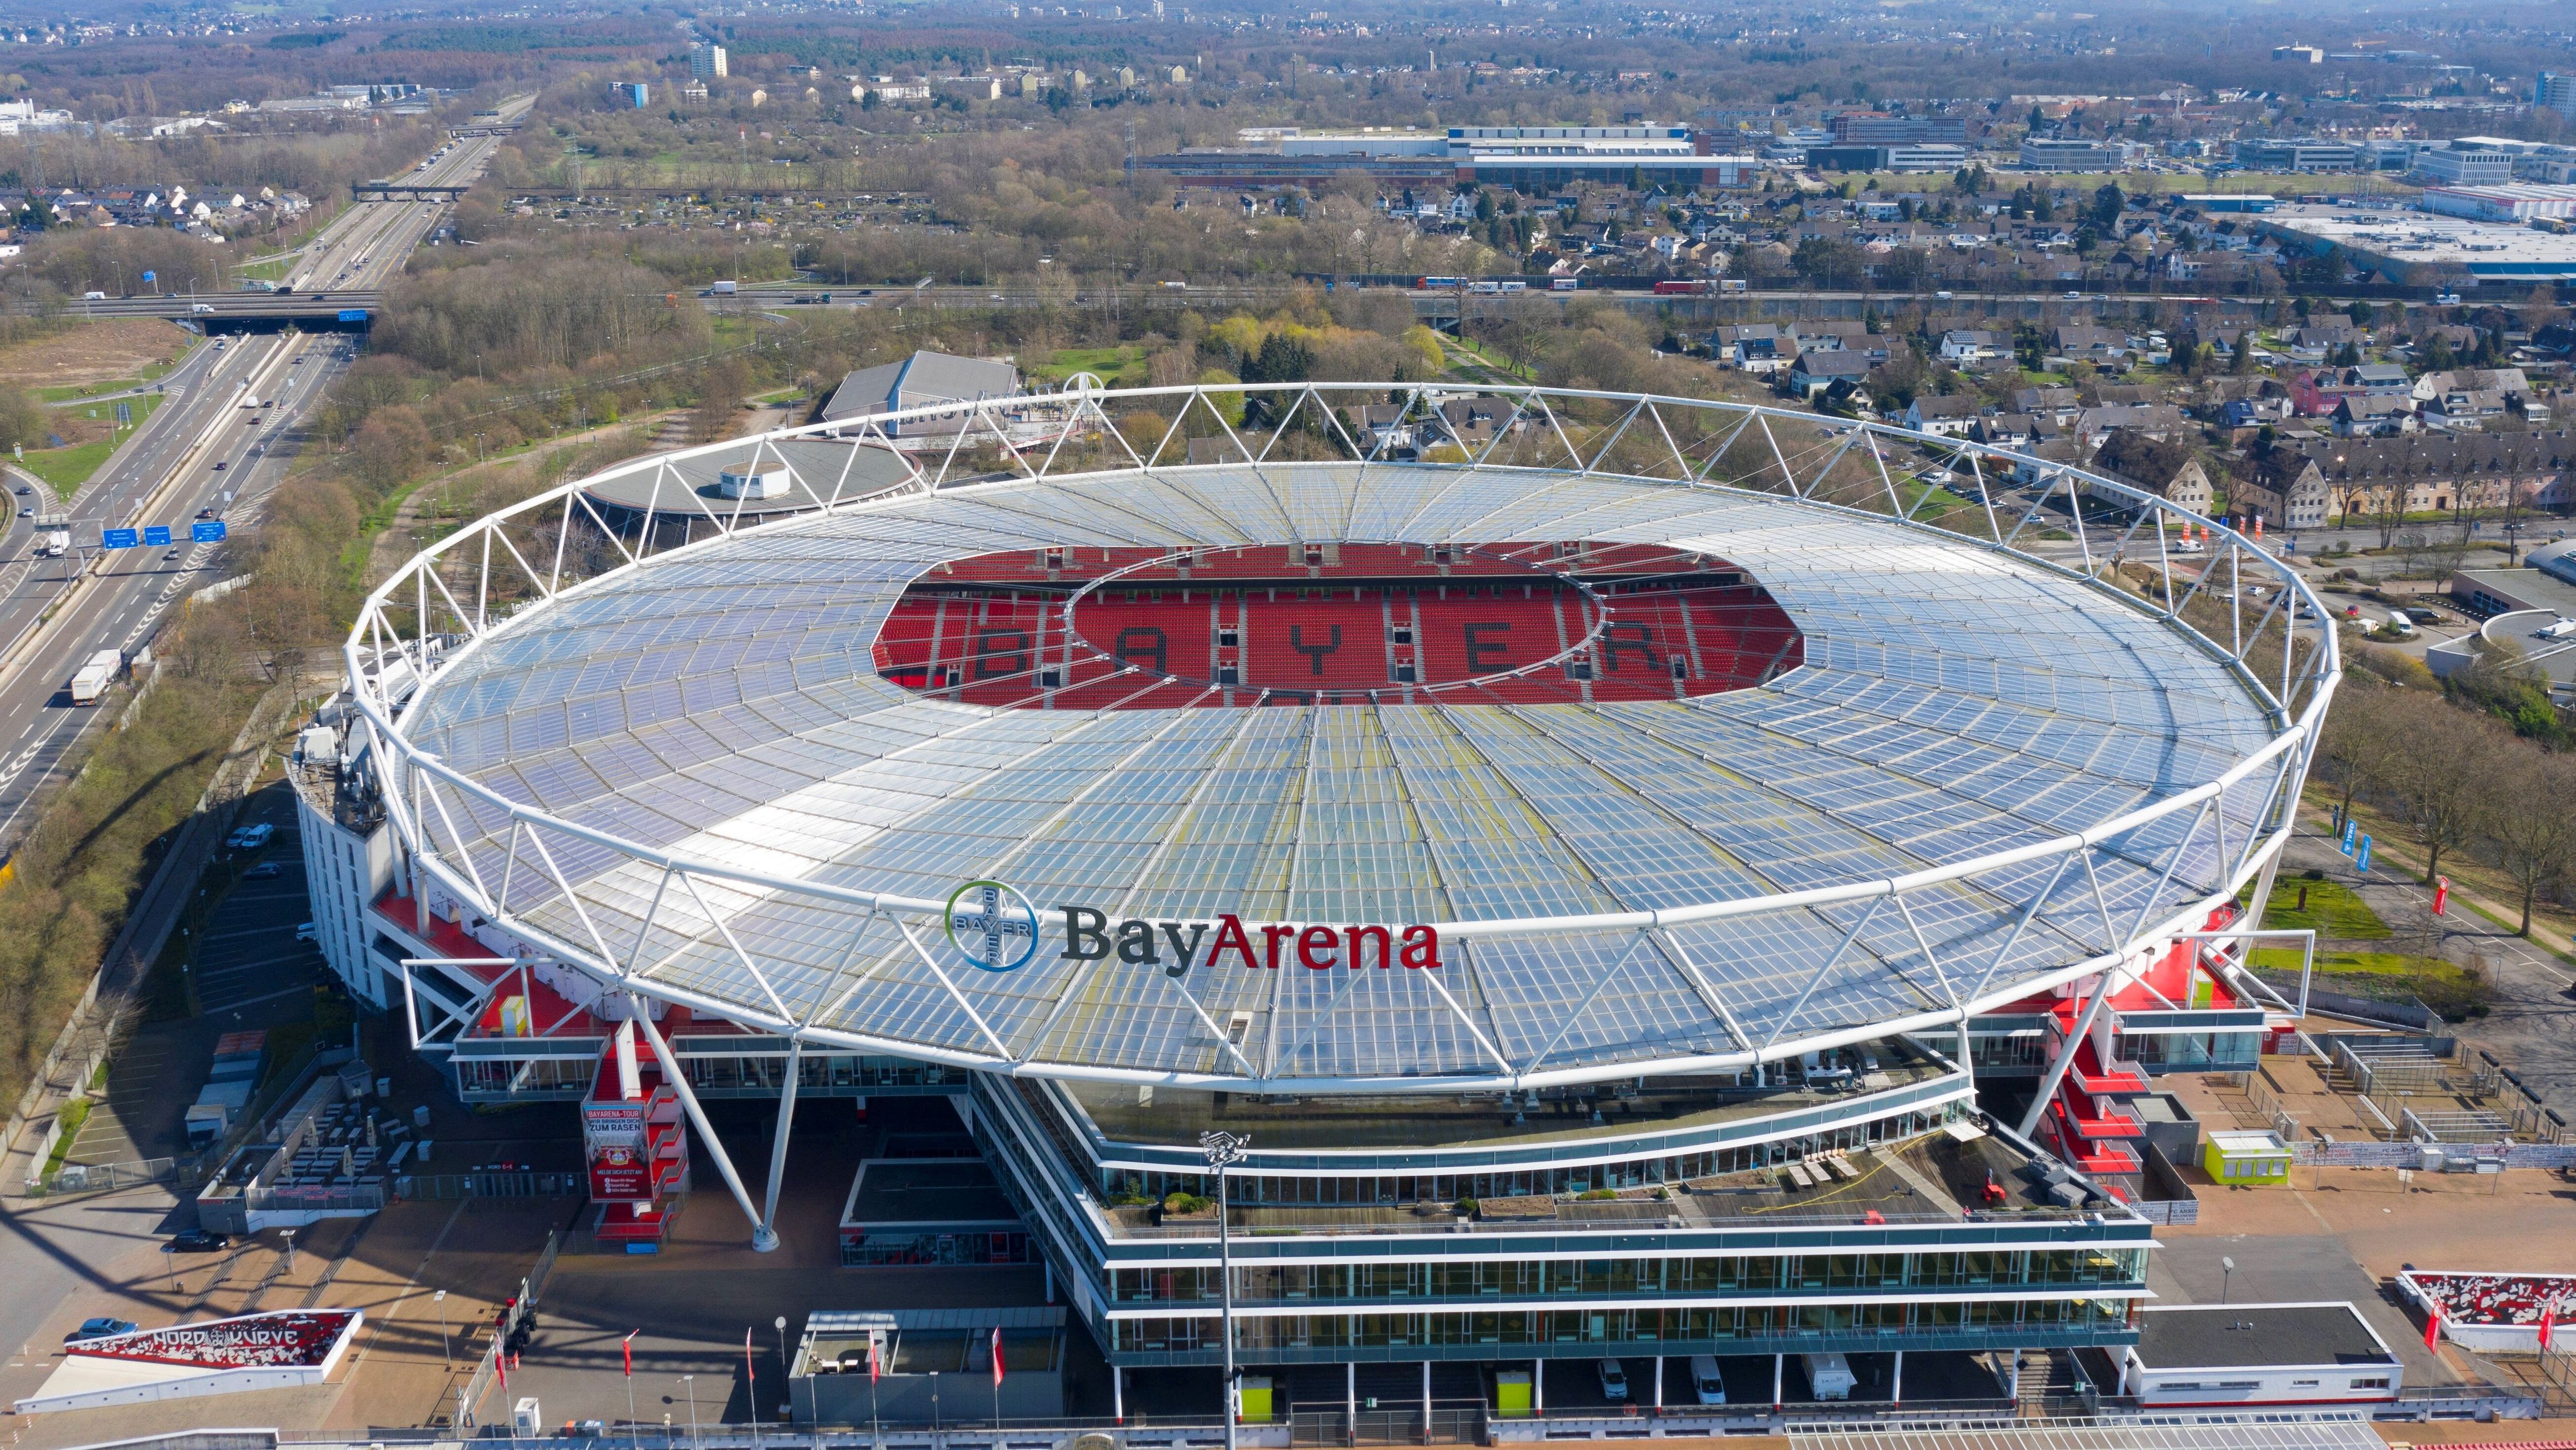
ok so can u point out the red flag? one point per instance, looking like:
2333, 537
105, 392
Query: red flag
874, 1373
2433, 1324
2548, 1321
997, 1357
750, 1376
626, 1347
501, 1367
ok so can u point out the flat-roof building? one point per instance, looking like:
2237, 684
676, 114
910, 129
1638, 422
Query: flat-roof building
2407, 247
1533, 157
2502, 202
2208, 1356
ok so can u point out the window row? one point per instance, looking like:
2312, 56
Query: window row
1123, 1184
1592, 1278
1534, 1328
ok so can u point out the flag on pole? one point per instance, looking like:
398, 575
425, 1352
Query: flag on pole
501, 1367
874, 1371
997, 1356
2433, 1324
750, 1375
626, 1347
2548, 1321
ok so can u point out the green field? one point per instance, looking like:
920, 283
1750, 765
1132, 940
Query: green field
2334, 912
1119, 367
66, 469
143, 377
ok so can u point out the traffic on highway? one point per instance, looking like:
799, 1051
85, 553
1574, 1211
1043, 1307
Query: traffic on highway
98, 575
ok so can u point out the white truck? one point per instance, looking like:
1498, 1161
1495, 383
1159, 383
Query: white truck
1829, 1376
102, 671
721, 289
53, 535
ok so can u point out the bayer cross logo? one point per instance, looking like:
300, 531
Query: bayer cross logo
992, 925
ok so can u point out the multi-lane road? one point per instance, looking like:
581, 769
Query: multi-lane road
221, 440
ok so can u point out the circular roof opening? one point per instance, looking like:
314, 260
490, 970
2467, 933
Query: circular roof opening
1547, 622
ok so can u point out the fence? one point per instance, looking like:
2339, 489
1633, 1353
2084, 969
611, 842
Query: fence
318, 1198
2411, 1155
488, 1372
107, 1177
513, 1184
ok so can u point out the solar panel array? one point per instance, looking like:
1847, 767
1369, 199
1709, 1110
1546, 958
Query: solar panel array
723, 704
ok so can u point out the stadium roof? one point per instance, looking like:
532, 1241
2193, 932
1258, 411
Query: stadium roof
1619, 886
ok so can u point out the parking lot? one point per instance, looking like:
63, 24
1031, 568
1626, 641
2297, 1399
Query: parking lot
248, 952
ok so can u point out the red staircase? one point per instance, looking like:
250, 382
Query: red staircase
637, 1150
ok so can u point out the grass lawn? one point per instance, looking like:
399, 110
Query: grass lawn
1119, 367
145, 376
2385, 976
2333, 912
73, 1115
66, 469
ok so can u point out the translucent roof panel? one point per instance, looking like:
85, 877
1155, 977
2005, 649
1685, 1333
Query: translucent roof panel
728, 705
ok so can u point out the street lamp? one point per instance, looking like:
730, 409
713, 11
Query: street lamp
784, 1368
2226, 1272
692, 1382
1222, 1150
446, 1354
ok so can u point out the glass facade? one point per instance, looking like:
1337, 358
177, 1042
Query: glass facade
1721, 1329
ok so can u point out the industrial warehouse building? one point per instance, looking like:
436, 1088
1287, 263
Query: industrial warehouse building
1586, 895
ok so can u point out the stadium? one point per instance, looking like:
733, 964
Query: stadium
1619, 874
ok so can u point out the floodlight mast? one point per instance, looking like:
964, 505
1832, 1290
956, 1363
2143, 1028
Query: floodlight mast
1222, 1150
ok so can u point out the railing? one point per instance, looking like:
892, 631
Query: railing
108, 1177
487, 1185
519, 561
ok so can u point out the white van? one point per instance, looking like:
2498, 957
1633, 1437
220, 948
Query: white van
1706, 1382
1614, 1381
1829, 1376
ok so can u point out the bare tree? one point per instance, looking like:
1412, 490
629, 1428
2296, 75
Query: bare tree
2358, 743
2443, 758
2528, 809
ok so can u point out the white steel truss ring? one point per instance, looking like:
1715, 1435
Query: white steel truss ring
386, 667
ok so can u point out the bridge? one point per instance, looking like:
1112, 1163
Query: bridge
484, 128
242, 311
405, 190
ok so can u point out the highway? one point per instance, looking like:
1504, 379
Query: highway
222, 439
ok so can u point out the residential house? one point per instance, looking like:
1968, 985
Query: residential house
2100, 346
1950, 416
2364, 417
2153, 420
1755, 347
1847, 336
2061, 404
2282, 485
2015, 430
1970, 346
1814, 372
2161, 466
2435, 471
2464, 409
2380, 380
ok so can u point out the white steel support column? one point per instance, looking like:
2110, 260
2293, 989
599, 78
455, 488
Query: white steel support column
2123, 1391
2066, 1055
1659, 1382
2012, 1391
1779, 1368
1538, 1387
680, 1084
764, 1235
1351, 1396
1896, 1381
1426, 1402
1118, 1393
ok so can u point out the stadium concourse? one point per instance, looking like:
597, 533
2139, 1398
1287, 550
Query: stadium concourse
1575, 892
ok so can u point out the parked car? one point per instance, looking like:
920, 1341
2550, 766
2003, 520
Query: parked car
1706, 1382
251, 838
1614, 1381
195, 1241
2424, 616
261, 872
100, 1328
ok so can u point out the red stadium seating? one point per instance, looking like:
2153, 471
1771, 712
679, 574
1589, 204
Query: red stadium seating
1337, 624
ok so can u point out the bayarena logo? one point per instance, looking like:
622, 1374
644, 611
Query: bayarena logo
995, 927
